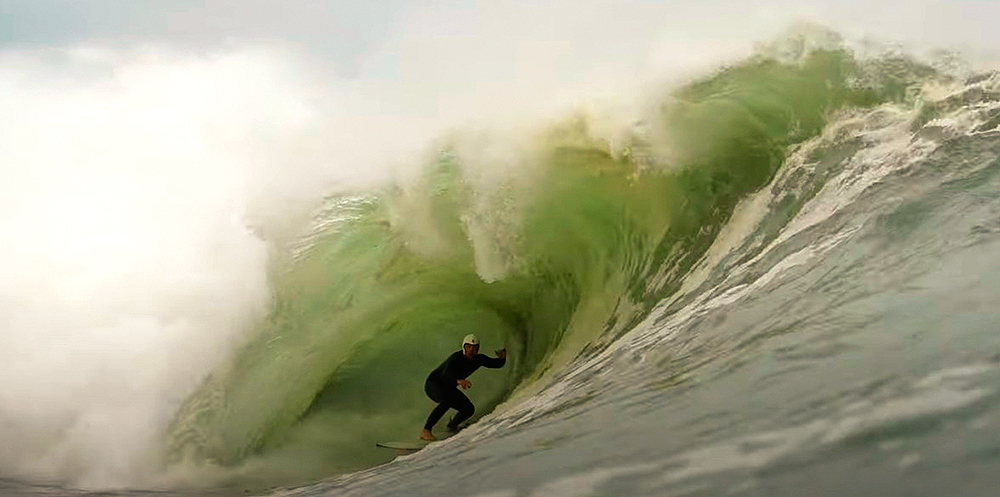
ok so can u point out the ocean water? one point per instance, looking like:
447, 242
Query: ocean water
839, 337
784, 279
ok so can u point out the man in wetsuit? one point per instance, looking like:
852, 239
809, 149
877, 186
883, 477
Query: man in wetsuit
442, 384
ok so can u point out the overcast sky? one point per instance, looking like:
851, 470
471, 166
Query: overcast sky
355, 38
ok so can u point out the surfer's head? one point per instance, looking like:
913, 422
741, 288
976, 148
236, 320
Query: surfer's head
470, 345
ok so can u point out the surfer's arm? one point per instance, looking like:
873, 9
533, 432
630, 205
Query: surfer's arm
492, 362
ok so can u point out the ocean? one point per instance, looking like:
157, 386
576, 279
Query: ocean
783, 278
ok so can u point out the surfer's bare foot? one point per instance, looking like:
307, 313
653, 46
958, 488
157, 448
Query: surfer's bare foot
426, 434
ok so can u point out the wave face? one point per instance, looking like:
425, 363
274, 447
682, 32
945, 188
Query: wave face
704, 297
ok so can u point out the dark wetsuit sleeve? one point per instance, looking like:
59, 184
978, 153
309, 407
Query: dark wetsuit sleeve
490, 362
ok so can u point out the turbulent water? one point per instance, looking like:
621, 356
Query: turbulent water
782, 280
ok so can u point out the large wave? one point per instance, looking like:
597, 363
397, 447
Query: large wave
553, 244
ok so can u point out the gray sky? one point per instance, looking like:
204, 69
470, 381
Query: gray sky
370, 38
343, 32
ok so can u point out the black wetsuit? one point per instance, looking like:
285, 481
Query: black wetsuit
442, 386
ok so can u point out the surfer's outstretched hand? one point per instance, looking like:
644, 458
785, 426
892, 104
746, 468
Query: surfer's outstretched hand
465, 384
502, 353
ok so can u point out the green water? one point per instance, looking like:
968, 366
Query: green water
552, 261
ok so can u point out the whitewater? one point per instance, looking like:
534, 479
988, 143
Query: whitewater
779, 278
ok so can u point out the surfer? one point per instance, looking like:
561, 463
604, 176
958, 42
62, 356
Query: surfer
442, 384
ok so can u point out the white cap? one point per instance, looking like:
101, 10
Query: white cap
470, 339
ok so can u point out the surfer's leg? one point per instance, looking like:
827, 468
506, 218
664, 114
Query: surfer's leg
435, 416
436, 393
465, 409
